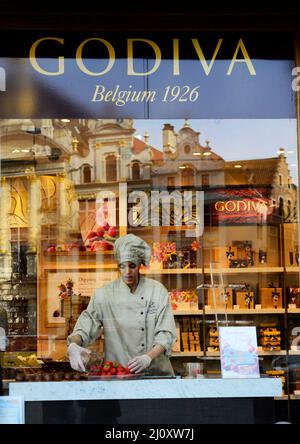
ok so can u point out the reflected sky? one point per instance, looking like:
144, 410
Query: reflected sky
235, 139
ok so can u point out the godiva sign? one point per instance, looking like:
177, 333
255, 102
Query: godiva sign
206, 62
245, 206
158, 76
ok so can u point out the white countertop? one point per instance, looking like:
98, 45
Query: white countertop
147, 389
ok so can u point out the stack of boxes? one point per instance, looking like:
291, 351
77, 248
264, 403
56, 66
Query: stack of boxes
213, 339
269, 339
190, 335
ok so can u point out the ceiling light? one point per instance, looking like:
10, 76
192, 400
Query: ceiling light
238, 166
182, 167
25, 151
65, 120
197, 154
16, 151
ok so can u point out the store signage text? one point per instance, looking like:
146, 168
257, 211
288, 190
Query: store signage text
206, 66
241, 206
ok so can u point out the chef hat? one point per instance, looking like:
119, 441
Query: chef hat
131, 248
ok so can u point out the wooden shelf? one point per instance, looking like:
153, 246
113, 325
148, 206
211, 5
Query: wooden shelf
293, 310
294, 352
286, 397
187, 312
292, 270
77, 253
262, 353
173, 271
186, 354
246, 311
246, 270
76, 266
219, 270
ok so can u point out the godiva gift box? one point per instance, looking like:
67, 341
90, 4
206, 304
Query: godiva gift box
271, 297
245, 299
219, 298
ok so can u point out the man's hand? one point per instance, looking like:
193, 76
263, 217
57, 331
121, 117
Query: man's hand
139, 363
78, 357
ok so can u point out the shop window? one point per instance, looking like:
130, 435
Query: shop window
281, 207
111, 168
289, 209
87, 174
171, 181
136, 174
205, 181
188, 177
187, 149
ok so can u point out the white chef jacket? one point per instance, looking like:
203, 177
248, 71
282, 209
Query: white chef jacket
133, 322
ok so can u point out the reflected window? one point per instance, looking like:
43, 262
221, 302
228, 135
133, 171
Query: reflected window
86, 172
188, 177
136, 171
187, 149
171, 181
111, 168
205, 180
281, 207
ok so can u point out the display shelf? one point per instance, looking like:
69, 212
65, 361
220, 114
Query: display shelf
172, 271
219, 270
292, 270
253, 311
245, 270
186, 354
77, 253
260, 353
272, 353
81, 266
187, 312
286, 397
294, 352
293, 310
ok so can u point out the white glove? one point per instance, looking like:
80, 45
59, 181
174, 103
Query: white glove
139, 363
78, 356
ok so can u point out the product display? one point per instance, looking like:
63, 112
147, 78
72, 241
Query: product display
219, 298
245, 299
293, 294
184, 300
190, 338
213, 339
270, 339
271, 297
238, 268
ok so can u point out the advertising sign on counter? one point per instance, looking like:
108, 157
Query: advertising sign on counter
238, 349
12, 410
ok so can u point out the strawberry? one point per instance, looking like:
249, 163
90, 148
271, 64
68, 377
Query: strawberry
107, 363
113, 371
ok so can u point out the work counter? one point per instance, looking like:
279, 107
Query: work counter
156, 401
